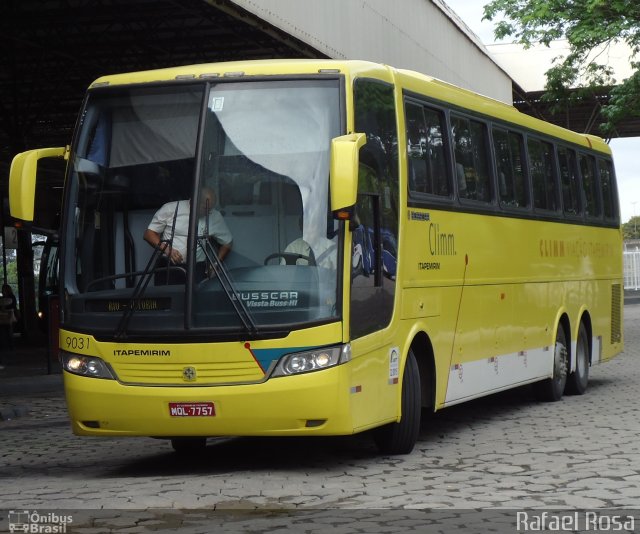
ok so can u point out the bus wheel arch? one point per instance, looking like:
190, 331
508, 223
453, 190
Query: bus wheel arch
578, 380
551, 389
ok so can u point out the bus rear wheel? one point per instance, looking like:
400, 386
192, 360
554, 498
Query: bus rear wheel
551, 389
578, 381
400, 438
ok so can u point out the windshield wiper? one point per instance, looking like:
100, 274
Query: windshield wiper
138, 292
214, 262
145, 278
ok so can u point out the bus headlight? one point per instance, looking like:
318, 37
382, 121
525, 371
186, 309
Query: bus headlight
90, 366
313, 360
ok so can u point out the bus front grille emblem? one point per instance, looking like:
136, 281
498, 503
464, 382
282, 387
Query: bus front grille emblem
189, 374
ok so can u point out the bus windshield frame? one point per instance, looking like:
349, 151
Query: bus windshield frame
254, 155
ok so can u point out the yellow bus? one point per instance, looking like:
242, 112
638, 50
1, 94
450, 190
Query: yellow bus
366, 244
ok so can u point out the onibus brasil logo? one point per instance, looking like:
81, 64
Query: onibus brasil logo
37, 522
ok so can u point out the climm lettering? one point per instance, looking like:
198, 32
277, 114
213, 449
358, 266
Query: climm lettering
141, 352
440, 243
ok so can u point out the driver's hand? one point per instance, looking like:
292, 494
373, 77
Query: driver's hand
212, 272
175, 257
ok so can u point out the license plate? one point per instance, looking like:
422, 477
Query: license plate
192, 409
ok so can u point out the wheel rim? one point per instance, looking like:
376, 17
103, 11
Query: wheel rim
581, 361
581, 375
560, 362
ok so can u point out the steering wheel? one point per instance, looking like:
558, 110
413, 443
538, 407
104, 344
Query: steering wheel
290, 258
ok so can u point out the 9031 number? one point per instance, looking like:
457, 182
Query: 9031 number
77, 342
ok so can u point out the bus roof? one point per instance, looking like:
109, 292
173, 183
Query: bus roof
231, 69
412, 81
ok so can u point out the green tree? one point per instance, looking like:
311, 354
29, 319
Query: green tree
631, 229
589, 26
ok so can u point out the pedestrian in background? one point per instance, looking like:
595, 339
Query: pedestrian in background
8, 318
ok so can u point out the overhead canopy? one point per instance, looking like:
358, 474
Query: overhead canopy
53, 49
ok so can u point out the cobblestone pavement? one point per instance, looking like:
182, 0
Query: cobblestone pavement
506, 451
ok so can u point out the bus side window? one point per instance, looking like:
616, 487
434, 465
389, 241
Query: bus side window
589, 186
569, 181
472, 164
541, 167
418, 178
512, 188
426, 155
607, 182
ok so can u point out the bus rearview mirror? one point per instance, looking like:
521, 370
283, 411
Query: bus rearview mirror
22, 180
344, 171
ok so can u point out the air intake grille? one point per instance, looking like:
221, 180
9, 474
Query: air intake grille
616, 313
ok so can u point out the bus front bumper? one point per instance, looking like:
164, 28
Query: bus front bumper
316, 403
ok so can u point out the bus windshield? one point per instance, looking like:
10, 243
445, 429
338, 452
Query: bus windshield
252, 159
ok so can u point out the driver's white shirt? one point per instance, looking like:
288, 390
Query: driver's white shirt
299, 246
163, 222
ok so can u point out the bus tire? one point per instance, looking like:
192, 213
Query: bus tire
185, 446
400, 438
551, 389
578, 381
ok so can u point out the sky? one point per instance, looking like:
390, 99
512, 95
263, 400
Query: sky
625, 150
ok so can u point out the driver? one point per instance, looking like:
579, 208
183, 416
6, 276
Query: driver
169, 229
299, 247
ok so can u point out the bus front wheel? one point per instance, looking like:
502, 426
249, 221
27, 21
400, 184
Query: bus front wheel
551, 389
399, 438
578, 381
